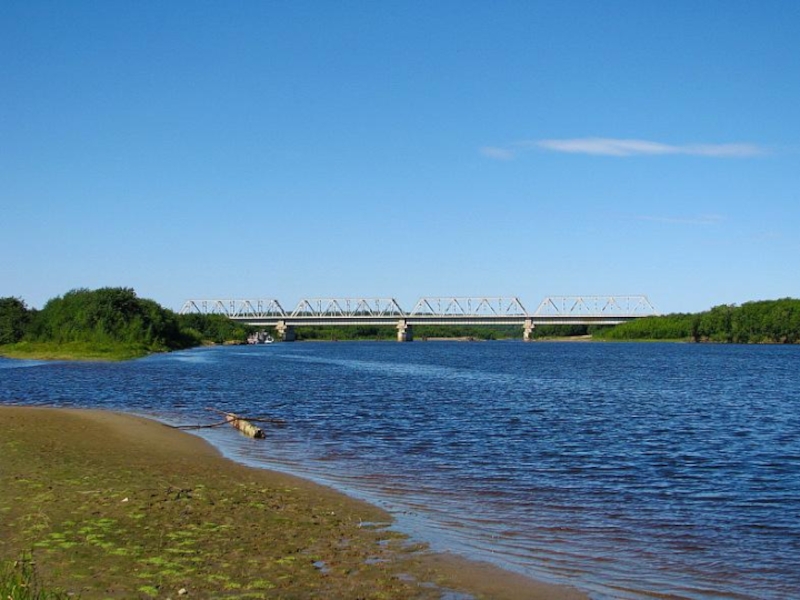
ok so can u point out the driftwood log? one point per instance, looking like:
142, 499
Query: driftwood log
245, 426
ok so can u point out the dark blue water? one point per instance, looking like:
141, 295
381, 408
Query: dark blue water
629, 470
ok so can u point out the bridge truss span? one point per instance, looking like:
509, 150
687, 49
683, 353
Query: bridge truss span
478, 306
235, 309
347, 307
595, 306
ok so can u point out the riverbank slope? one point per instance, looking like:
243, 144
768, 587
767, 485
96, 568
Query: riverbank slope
115, 506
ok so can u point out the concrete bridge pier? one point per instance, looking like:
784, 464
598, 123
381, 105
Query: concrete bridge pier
405, 332
527, 330
286, 332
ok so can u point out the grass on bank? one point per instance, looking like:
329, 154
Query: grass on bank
109, 351
19, 581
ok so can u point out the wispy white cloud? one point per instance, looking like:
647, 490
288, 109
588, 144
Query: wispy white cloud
697, 220
724, 150
605, 146
623, 147
498, 153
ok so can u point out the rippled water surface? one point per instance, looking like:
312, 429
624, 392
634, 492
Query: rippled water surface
630, 470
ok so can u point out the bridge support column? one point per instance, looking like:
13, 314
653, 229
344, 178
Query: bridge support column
527, 330
286, 332
405, 332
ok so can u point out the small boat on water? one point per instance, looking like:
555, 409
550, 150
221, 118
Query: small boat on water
260, 337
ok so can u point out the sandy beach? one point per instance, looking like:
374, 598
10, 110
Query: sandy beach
116, 506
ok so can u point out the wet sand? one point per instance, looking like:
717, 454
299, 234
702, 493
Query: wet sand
256, 533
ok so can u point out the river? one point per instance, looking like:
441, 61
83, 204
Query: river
628, 470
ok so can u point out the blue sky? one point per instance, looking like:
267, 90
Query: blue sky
404, 149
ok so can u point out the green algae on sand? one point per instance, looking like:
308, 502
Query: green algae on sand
115, 506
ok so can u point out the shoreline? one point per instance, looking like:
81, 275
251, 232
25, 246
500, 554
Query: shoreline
124, 455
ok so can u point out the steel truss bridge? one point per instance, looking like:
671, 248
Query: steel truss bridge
553, 310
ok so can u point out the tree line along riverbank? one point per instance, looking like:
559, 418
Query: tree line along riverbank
107, 323
115, 324
761, 322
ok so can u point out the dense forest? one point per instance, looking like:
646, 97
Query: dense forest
110, 322
762, 322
